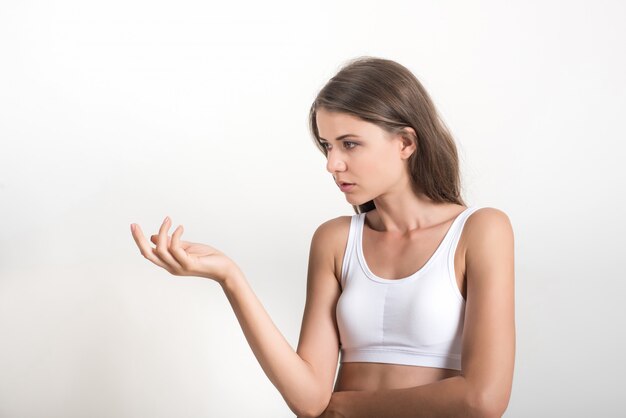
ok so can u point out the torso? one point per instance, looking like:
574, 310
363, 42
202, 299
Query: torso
394, 257
373, 376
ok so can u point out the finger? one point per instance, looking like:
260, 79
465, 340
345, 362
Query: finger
162, 249
175, 248
144, 246
155, 238
183, 244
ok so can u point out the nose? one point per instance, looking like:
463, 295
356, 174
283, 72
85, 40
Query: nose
334, 162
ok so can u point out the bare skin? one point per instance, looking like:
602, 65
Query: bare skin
386, 256
371, 166
400, 235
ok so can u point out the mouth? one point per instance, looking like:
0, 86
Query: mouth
345, 187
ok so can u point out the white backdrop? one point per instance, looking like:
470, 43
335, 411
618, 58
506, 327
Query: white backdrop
127, 111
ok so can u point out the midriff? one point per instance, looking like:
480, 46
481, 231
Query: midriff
373, 376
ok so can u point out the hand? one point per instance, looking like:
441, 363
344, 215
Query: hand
182, 258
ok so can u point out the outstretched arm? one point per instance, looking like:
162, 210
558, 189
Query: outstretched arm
484, 387
303, 378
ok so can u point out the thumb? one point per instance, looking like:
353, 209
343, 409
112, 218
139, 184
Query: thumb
155, 238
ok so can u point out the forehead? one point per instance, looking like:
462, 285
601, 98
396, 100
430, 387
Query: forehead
333, 124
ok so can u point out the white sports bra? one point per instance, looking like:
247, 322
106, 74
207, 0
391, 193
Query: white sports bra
416, 320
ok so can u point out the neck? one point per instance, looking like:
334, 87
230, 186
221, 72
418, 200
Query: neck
401, 213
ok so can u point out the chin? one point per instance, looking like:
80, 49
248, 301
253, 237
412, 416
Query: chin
351, 200
356, 202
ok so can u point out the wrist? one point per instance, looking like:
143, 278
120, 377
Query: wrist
233, 277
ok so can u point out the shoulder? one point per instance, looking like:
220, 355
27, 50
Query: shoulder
332, 229
489, 232
330, 238
486, 219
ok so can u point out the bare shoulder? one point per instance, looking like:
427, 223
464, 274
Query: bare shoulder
489, 236
488, 220
331, 237
334, 227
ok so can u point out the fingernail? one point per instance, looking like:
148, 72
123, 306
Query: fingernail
132, 227
167, 218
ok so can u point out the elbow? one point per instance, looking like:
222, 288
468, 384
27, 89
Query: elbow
488, 404
307, 414
312, 412
312, 407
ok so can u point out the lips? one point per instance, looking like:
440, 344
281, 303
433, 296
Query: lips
345, 187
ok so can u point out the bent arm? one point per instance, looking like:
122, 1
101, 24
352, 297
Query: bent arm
289, 373
488, 352
304, 378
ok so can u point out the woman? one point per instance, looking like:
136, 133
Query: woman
415, 291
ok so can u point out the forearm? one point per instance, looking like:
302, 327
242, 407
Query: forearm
451, 397
288, 372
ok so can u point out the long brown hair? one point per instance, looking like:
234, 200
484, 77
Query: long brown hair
387, 94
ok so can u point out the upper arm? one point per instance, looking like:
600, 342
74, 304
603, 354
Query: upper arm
488, 352
319, 336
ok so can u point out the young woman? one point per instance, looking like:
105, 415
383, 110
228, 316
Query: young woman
415, 291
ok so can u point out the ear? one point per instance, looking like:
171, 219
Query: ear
408, 141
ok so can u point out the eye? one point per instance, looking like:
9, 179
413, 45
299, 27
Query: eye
346, 145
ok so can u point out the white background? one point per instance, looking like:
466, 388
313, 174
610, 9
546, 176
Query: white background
127, 111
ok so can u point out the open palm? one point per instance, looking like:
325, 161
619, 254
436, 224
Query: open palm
183, 258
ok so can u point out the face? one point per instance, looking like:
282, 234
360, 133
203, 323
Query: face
362, 154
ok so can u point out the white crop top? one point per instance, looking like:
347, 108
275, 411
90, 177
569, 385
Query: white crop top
416, 320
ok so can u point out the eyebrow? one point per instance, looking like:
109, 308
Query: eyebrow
342, 137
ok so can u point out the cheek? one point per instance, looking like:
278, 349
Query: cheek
381, 166
382, 173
